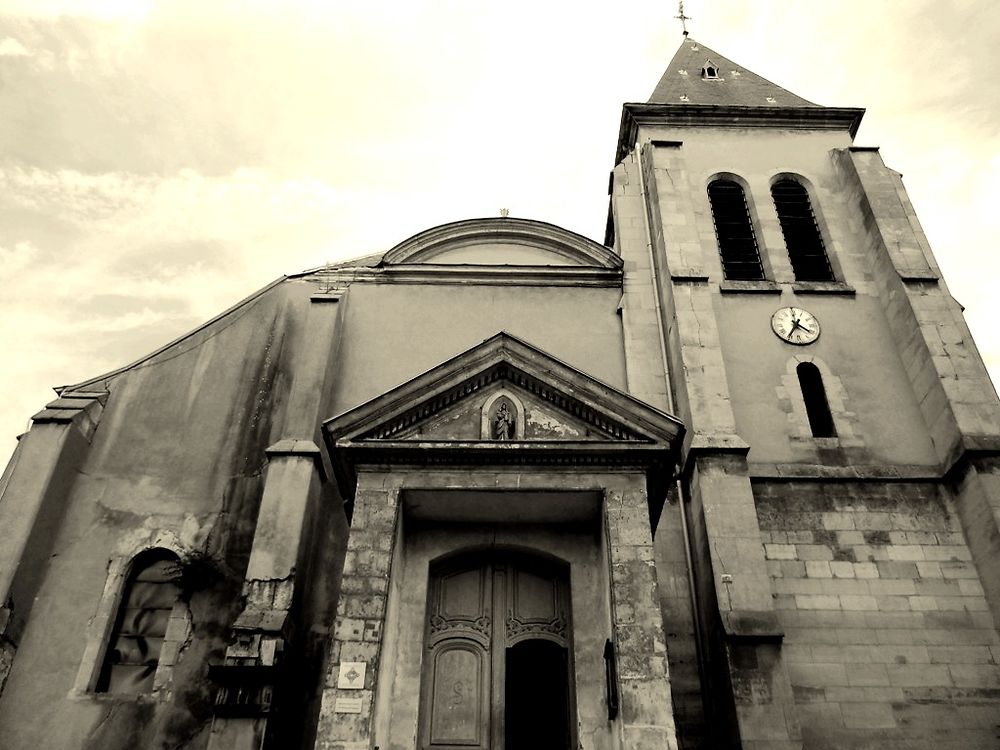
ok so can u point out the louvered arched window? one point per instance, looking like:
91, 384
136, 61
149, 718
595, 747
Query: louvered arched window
802, 237
814, 395
148, 599
734, 230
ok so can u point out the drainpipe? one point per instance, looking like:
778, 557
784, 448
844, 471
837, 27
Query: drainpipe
681, 494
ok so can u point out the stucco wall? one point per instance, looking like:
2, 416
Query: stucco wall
176, 461
392, 333
880, 419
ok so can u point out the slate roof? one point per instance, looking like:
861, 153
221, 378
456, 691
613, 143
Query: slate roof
736, 86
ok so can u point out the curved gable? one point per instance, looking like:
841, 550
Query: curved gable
501, 242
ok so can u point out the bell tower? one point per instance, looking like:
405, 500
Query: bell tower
830, 563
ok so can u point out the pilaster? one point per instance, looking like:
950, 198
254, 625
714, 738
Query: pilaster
733, 590
643, 674
977, 495
347, 712
638, 308
697, 370
254, 678
34, 492
957, 398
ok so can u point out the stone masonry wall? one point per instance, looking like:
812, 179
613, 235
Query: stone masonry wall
888, 637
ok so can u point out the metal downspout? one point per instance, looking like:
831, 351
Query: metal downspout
681, 495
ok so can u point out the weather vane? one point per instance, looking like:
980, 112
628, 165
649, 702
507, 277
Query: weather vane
681, 17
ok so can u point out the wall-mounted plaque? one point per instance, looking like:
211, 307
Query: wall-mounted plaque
352, 675
347, 706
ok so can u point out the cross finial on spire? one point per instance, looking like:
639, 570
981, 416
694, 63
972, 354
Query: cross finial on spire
681, 17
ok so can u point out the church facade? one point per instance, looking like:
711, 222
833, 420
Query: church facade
729, 479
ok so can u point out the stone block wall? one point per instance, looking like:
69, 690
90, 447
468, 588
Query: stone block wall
888, 637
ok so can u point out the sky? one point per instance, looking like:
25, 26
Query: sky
160, 161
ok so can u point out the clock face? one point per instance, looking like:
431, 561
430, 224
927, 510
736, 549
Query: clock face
795, 325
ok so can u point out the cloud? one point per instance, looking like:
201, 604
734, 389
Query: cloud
16, 258
161, 160
10, 47
104, 10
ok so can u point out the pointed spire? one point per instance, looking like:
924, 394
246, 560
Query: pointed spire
699, 75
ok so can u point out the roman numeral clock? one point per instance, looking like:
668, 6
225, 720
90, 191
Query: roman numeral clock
795, 325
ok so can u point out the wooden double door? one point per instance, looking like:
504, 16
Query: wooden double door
497, 663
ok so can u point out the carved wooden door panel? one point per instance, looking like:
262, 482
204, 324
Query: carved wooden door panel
479, 610
456, 687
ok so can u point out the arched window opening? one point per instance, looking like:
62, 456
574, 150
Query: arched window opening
802, 237
148, 599
737, 242
814, 395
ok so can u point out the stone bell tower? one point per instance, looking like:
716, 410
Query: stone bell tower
839, 497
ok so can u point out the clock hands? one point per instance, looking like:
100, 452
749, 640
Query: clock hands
797, 324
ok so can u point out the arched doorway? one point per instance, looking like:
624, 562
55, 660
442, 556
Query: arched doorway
497, 666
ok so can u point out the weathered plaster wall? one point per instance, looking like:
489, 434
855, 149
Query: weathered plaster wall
176, 461
857, 343
393, 332
881, 420
887, 631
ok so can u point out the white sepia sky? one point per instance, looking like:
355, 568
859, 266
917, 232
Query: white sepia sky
161, 160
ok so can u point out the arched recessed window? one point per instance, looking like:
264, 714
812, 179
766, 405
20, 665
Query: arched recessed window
148, 599
814, 395
802, 237
737, 243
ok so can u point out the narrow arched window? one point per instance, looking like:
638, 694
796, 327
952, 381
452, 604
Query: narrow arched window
814, 395
802, 237
737, 243
148, 599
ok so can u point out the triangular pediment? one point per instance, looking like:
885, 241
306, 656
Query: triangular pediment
503, 401
528, 415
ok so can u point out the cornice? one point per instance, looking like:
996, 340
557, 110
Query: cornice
503, 275
432, 273
635, 115
424, 453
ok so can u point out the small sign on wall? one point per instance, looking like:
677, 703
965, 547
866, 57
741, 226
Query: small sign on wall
347, 706
352, 675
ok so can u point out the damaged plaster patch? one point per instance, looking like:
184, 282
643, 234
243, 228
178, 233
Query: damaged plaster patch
541, 423
178, 534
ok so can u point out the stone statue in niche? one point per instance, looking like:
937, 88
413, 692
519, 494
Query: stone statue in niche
503, 422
